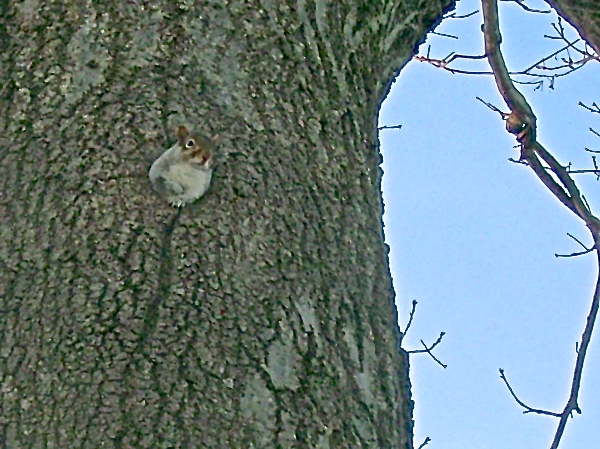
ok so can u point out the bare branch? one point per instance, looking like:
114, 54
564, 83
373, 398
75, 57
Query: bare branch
522, 123
522, 4
518, 161
576, 254
493, 108
428, 349
464, 16
568, 66
417, 351
580, 253
521, 403
543, 60
410, 319
390, 127
452, 36
594, 108
424, 443
579, 172
579, 241
538, 84
586, 337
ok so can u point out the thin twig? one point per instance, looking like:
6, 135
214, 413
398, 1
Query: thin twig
412, 314
522, 4
390, 127
452, 36
576, 254
578, 172
518, 161
429, 349
541, 61
464, 16
410, 319
424, 443
579, 241
594, 108
437, 342
493, 108
527, 408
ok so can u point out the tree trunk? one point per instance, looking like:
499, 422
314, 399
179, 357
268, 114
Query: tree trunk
261, 316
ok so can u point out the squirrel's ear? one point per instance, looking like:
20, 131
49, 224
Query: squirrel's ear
182, 133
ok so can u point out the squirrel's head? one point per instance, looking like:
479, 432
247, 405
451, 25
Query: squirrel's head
195, 149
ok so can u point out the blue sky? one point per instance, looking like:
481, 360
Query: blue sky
473, 238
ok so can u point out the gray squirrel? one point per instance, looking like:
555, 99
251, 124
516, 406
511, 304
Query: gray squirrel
182, 174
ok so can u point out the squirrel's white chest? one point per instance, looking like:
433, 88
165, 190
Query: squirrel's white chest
177, 181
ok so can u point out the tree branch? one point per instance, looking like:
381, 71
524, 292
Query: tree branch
581, 353
410, 319
527, 408
428, 349
522, 123
424, 443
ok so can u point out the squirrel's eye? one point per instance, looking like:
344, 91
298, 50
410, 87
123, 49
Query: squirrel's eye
190, 144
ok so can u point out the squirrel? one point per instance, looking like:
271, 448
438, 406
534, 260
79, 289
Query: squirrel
182, 174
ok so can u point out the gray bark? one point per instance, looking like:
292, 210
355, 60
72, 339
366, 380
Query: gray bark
263, 315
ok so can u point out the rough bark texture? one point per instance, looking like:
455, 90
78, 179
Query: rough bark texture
584, 15
262, 316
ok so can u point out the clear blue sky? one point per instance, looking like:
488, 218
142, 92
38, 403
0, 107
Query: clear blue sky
473, 239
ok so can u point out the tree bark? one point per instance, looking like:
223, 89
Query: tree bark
261, 316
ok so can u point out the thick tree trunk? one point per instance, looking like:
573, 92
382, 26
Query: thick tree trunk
263, 315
